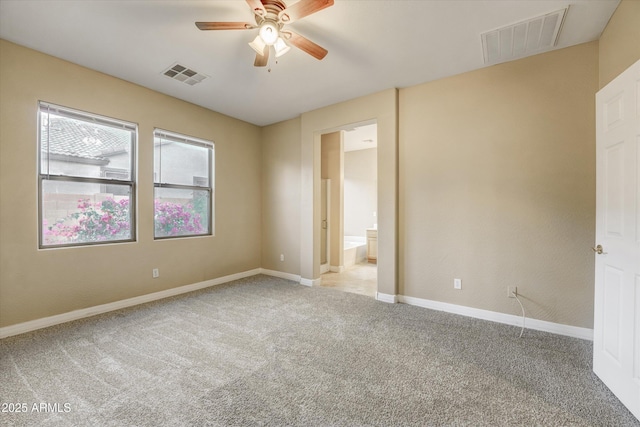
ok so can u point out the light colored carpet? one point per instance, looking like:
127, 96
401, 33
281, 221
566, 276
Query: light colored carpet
265, 351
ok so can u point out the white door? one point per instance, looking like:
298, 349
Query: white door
616, 341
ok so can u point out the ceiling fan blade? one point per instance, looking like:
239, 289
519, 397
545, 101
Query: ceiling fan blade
257, 7
303, 8
224, 25
306, 45
262, 60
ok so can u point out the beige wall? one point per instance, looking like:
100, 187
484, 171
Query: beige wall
497, 186
38, 283
281, 196
620, 41
332, 167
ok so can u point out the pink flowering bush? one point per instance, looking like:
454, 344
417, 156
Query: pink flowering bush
94, 222
174, 219
110, 220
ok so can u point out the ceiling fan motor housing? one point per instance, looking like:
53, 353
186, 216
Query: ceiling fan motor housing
273, 9
271, 16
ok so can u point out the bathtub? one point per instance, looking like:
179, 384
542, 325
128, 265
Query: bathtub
355, 250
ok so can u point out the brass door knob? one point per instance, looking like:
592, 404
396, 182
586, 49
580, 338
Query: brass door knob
598, 250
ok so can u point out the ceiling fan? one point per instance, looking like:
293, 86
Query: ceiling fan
271, 17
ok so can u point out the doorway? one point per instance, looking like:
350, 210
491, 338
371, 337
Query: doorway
348, 209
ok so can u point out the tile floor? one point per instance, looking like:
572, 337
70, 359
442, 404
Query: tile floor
358, 279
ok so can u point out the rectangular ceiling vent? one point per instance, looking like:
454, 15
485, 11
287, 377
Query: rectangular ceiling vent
535, 35
184, 74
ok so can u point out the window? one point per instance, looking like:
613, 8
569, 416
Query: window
81, 204
183, 181
115, 173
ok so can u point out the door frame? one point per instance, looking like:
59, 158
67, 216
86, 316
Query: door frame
324, 268
381, 108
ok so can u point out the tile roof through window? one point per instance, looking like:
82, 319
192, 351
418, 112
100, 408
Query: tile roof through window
74, 138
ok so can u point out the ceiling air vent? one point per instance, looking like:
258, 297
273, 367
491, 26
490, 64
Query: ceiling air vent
184, 74
528, 37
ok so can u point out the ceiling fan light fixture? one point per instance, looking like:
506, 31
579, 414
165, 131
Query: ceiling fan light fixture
281, 47
258, 45
269, 33
271, 16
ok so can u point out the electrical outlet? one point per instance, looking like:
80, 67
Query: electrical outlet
457, 283
512, 291
156, 273
281, 257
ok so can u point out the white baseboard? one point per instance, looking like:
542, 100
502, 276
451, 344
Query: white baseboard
280, 274
45, 322
337, 268
391, 299
509, 319
324, 268
310, 282
540, 325
294, 277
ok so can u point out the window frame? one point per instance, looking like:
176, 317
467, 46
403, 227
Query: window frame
105, 172
47, 108
165, 135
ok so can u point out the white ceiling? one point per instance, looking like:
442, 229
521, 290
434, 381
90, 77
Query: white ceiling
373, 45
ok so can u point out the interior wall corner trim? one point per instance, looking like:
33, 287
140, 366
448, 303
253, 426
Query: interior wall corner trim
282, 275
310, 282
388, 298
